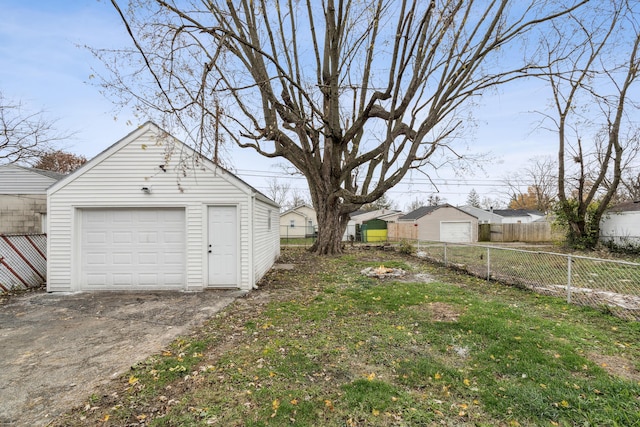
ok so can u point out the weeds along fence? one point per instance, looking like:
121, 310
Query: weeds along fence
611, 285
23, 261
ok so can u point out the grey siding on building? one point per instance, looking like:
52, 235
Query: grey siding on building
16, 179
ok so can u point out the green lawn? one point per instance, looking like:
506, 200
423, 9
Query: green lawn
323, 345
301, 241
541, 269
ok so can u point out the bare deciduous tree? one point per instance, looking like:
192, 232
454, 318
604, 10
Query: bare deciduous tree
24, 135
631, 185
435, 200
489, 204
353, 94
278, 191
298, 198
536, 183
415, 204
594, 62
382, 203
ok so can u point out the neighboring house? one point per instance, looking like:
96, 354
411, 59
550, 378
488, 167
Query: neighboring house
360, 217
389, 215
518, 216
23, 199
298, 222
621, 224
484, 216
149, 213
444, 223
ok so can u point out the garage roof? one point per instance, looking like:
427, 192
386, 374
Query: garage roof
426, 210
189, 152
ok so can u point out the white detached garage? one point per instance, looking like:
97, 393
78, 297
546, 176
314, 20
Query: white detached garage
150, 213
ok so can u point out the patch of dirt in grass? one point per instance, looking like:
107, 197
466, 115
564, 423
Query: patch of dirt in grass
416, 278
617, 366
443, 312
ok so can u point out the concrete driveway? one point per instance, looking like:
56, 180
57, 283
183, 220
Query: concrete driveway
55, 349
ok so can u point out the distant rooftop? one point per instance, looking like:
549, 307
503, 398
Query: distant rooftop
517, 212
420, 212
626, 206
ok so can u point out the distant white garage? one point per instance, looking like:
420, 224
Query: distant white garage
150, 213
456, 231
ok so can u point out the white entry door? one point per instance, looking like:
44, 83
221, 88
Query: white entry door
222, 246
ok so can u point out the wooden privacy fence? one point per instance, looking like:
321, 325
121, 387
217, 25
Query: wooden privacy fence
23, 261
534, 232
401, 231
531, 233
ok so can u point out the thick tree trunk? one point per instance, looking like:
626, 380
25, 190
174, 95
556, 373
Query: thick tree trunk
332, 224
585, 232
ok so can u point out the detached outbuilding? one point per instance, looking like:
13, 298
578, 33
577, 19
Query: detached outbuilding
149, 213
23, 199
444, 223
620, 225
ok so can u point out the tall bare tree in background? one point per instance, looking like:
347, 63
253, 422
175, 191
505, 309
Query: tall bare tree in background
278, 191
534, 186
25, 135
353, 94
631, 187
593, 61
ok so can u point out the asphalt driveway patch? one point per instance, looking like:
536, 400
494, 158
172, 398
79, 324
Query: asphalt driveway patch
56, 349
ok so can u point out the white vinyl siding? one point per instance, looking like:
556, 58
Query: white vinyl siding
115, 179
266, 242
622, 228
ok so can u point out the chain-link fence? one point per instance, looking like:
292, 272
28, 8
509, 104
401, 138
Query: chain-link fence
297, 235
611, 285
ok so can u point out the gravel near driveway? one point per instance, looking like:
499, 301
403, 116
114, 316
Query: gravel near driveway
56, 349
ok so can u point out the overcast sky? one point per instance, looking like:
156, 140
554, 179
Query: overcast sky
44, 65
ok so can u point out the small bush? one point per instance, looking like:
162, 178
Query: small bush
405, 247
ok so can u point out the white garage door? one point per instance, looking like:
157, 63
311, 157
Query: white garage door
132, 248
455, 231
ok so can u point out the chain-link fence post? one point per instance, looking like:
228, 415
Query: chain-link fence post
488, 263
569, 262
445, 254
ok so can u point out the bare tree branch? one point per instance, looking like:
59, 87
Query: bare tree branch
24, 135
353, 94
